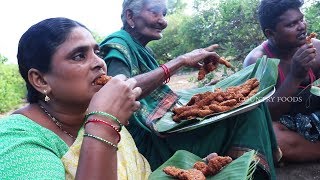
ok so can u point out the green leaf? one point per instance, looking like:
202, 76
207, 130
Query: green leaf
240, 168
265, 70
315, 88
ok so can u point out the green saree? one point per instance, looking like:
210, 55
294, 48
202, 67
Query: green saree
234, 136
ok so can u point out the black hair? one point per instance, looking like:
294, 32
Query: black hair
270, 10
37, 46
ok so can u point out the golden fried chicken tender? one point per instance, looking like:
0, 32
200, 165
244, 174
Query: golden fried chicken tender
224, 62
172, 171
179, 110
200, 169
210, 65
308, 38
204, 112
204, 104
217, 163
217, 108
203, 167
229, 102
102, 80
190, 174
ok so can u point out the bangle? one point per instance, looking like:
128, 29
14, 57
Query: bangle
100, 139
166, 73
106, 115
105, 123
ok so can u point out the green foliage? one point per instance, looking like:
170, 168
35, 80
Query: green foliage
312, 15
97, 37
12, 87
230, 23
3, 59
233, 24
170, 45
175, 6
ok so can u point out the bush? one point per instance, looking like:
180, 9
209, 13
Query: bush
12, 87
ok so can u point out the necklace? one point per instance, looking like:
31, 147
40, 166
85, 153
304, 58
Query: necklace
57, 122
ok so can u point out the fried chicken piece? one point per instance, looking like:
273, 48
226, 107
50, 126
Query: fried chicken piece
207, 100
228, 95
255, 84
204, 112
179, 110
211, 65
217, 163
308, 38
224, 62
253, 92
194, 99
176, 119
202, 73
230, 102
245, 90
172, 171
190, 174
208, 66
188, 114
217, 108
102, 80
203, 167
219, 98
204, 104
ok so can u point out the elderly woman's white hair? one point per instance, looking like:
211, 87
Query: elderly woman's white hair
134, 5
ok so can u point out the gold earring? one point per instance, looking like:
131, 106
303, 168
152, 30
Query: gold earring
46, 98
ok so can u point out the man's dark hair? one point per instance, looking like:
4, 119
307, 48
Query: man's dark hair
270, 10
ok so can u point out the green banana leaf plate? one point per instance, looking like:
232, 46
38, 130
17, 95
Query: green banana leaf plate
265, 70
315, 87
239, 169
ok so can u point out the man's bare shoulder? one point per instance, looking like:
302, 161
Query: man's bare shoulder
253, 56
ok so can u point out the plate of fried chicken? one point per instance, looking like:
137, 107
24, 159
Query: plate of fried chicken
236, 94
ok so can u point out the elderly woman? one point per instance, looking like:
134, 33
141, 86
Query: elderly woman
126, 52
58, 59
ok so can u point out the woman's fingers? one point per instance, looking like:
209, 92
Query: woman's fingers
131, 82
137, 92
136, 105
214, 56
212, 47
121, 77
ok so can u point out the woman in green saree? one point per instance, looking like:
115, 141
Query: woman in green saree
49, 138
125, 52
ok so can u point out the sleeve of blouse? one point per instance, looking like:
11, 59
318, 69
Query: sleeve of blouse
26, 157
116, 67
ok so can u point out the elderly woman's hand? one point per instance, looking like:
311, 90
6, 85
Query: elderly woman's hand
194, 57
118, 98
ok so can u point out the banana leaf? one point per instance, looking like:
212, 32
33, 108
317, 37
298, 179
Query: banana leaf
265, 70
239, 169
315, 87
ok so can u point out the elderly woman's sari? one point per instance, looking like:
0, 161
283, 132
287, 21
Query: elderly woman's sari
234, 136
